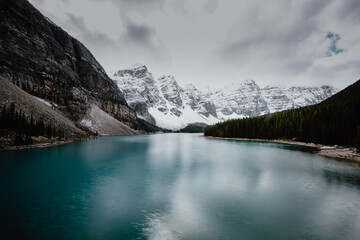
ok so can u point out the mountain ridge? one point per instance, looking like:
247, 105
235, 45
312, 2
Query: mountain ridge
165, 103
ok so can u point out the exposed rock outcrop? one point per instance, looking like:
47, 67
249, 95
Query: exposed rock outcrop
30, 106
45, 61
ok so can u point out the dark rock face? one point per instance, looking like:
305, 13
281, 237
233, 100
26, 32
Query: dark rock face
207, 108
139, 88
171, 90
47, 62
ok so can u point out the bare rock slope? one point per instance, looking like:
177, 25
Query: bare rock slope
102, 123
45, 61
10, 93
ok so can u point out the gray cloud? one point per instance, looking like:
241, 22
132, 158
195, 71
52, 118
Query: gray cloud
218, 42
289, 43
143, 37
137, 5
311, 9
350, 10
179, 5
137, 43
211, 6
260, 31
94, 39
139, 33
38, 2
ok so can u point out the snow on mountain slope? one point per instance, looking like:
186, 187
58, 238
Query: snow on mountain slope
243, 99
164, 103
170, 90
303, 96
140, 90
277, 100
198, 101
247, 99
188, 116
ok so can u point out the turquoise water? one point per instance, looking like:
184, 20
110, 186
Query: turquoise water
177, 186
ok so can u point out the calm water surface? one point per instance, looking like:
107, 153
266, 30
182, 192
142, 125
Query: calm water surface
177, 186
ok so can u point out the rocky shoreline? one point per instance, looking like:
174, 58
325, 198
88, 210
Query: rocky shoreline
319, 149
44, 145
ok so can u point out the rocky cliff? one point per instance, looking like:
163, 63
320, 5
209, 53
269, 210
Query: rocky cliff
45, 61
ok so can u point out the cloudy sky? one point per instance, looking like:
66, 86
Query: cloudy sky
213, 42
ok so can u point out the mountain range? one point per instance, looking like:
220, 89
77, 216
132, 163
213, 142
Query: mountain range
64, 79
165, 103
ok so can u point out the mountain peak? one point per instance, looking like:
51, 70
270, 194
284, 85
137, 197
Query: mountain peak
136, 71
137, 65
248, 82
167, 78
190, 86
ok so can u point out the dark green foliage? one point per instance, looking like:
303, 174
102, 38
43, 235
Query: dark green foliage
22, 140
150, 128
194, 128
334, 121
15, 123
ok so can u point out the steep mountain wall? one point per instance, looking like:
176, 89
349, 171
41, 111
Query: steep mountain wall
45, 61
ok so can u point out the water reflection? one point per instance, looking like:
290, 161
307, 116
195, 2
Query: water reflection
256, 186
178, 186
350, 177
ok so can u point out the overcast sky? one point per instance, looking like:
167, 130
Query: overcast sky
213, 42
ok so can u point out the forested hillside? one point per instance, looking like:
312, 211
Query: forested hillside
334, 121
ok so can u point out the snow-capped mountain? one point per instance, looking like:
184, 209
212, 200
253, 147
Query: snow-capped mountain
140, 90
247, 99
164, 103
239, 100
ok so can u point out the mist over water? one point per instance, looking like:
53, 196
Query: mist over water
177, 186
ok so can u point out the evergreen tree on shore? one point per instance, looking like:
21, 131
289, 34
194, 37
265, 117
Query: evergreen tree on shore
15, 123
334, 121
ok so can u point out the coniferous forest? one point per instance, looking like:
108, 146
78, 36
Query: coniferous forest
336, 121
20, 129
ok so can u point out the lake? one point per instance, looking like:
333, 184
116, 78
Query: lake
177, 186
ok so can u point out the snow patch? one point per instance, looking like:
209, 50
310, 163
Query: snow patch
50, 104
173, 122
86, 123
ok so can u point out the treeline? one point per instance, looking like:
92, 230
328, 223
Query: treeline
150, 128
334, 121
21, 128
194, 128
